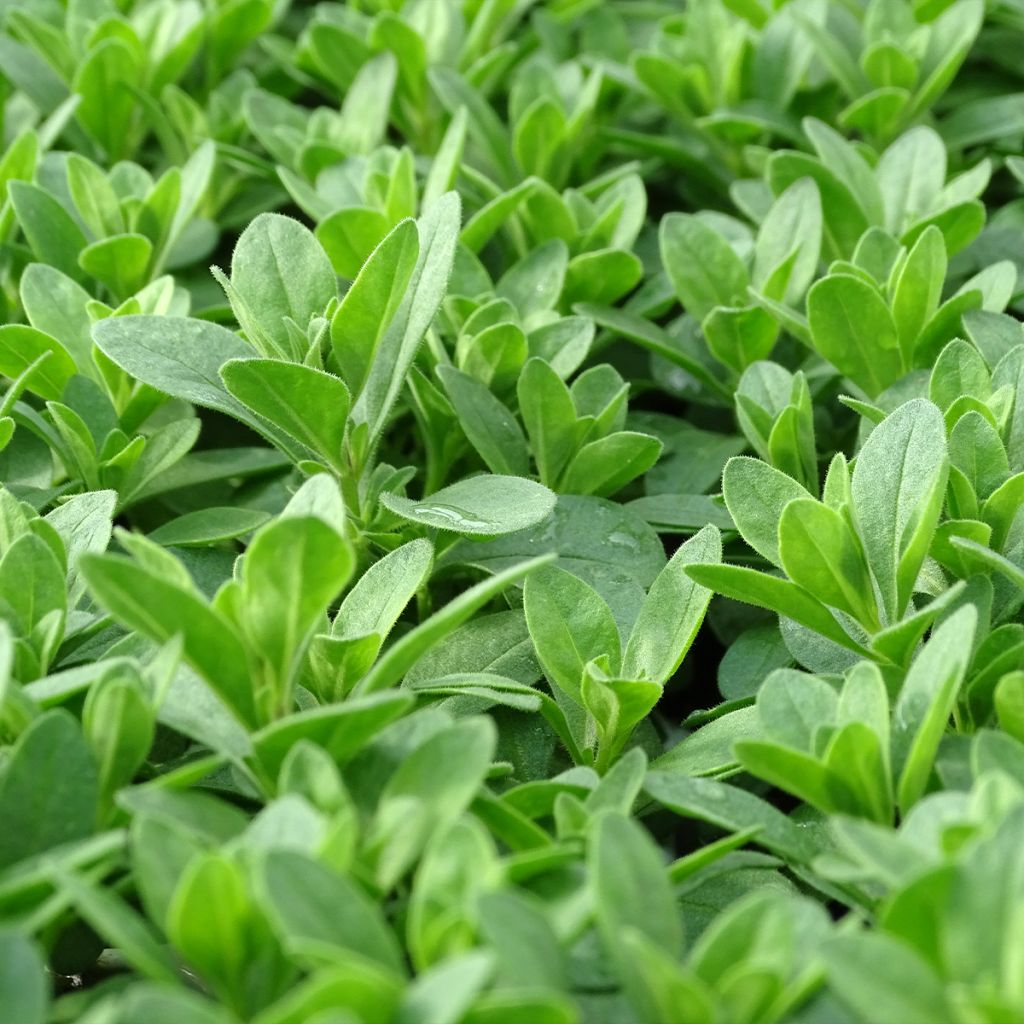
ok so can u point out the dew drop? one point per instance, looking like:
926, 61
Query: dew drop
623, 540
457, 517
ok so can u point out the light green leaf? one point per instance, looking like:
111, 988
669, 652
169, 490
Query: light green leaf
368, 308
703, 268
822, 554
926, 702
281, 272
413, 645
897, 488
755, 495
161, 610
852, 327
570, 625
438, 232
483, 505
308, 404
24, 986
22, 346
48, 789
302, 898
487, 422
293, 569
673, 612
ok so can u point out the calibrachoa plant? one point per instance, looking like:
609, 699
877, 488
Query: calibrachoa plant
512, 512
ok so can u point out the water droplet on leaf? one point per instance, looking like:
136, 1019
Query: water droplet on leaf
459, 518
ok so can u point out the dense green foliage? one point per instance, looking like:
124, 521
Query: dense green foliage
562, 562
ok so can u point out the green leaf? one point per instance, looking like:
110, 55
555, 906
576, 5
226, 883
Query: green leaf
160, 1004
119, 724
301, 897
341, 730
534, 284
350, 235
606, 544
631, 886
438, 232
756, 495
524, 940
364, 112
844, 222
51, 233
897, 488
793, 705
483, 505
653, 338
616, 706
445, 163
1009, 704
959, 370
952, 35
489, 218
703, 268
496, 355
374, 604
918, 288
308, 404
280, 272
24, 986
821, 553
22, 347
795, 772
754, 654
220, 931
852, 327
733, 809
550, 418
84, 524
368, 308
211, 465
56, 305
32, 584
106, 81
487, 422
121, 262
485, 127
445, 993
739, 337
411, 647
162, 610
293, 569
601, 277
208, 526
847, 163
709, 749
976, 450
570, 625
498, 642
926, 702
673, 612
48, 789
427, 792
564, 343
179, 356
776, 594
910, 174
858, 757
790, 235
883, 978
605, 466
122, 927
165, 448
